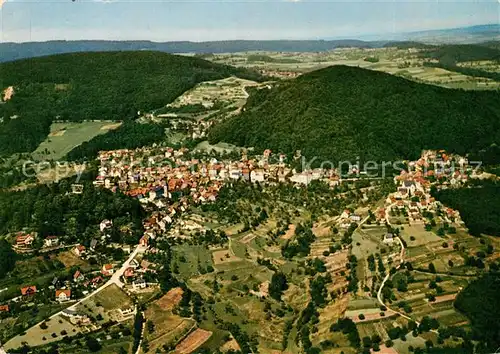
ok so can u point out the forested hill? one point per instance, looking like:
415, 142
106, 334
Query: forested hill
343, 112
452, 54
110, 85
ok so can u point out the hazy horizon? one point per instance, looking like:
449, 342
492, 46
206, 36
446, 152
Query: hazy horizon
163, 21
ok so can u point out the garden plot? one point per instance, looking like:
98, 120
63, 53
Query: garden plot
50, 331
193, 341
223, 257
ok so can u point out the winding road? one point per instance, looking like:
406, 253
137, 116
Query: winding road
115, 279
401, 256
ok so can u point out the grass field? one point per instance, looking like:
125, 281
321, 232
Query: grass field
190, 259
112, 297
64, 137
69, 259
107, 304
422, 237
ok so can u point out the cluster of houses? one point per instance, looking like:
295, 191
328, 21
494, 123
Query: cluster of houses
434, 168
24, 242
134, 274
154, 173
282, 74
172, 180
438, 167
348, 217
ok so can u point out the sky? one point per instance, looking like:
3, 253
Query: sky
164, 20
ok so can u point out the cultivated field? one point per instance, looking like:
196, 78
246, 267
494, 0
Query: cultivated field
401, 62
64, 137
193, 341
168, 328
170, 300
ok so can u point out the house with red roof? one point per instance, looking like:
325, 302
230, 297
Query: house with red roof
28, 291
80, 250
96, 281
107, 270
129, 272
63, 295
78, 276
24, 240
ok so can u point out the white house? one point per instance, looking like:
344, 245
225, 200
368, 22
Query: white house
388, 238
235, 173
139, 284
51, 241
257, 176
105, 224
127, 311
355, 217
302, 178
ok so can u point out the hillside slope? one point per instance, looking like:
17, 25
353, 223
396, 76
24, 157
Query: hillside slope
452, 54
111, 85
343, 112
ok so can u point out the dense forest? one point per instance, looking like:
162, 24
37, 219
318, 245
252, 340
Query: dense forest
7, 258
478, 206
452, 54
489, 156
480, 302
129, 136
339, 113
54, 210
94, 86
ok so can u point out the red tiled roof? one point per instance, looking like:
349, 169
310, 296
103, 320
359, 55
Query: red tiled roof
67, 292
29, 290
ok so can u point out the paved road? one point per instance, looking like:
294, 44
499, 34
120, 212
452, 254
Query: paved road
115, 278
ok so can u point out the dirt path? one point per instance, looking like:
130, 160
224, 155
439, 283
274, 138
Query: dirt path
379, 293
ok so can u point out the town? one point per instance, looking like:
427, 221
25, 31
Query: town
173, 185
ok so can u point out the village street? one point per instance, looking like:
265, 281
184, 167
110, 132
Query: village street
115, 279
